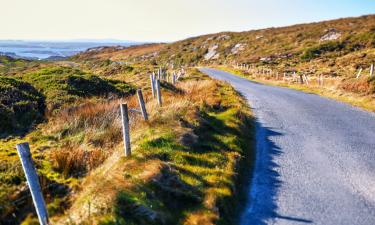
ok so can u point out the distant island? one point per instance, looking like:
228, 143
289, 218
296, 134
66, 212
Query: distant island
52, 50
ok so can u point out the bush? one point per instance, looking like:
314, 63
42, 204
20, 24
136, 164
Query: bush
316, 51
21, 106
62, 85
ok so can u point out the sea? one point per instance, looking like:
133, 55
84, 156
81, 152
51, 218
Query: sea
41, 50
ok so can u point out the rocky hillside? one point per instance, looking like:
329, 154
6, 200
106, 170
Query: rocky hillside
340, 46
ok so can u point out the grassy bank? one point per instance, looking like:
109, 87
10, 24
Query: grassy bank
186, 167
331, 90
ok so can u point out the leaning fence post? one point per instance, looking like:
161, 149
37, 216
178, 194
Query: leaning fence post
359, 73
142, 104
125, 128
158, 93
33, 182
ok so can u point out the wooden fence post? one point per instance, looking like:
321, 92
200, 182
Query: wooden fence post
33, 182
301, 78
174, 79
371, 70
158, 93
152, 80
359, 73
142, 104
305, 78
125, 128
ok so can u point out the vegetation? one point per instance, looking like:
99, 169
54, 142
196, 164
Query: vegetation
192, 169
64, 85
21, 106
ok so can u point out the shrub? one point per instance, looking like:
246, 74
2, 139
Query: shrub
316, 51
21, 106
62, 85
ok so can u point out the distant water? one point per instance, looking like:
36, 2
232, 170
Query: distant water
44, 50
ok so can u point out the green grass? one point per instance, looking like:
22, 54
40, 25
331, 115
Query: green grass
64, 85
193, 175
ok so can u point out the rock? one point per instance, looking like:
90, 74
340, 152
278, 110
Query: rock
238, 47
332, 34
211, 54
223, 37
189, 139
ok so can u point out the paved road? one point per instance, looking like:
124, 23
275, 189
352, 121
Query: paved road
315, 158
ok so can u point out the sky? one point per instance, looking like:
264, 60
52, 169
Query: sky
161, 20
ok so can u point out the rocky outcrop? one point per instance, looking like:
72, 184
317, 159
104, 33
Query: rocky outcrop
212, 54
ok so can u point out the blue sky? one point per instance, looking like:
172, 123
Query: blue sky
161, 20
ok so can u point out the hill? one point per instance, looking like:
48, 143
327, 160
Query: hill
335, 49
323, 42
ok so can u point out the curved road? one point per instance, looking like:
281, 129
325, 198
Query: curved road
315, 158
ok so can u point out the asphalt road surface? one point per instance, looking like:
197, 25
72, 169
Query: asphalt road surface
315, 159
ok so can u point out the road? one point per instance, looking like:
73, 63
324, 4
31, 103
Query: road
315, 158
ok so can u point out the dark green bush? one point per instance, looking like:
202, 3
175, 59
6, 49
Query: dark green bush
21, 106
316, 51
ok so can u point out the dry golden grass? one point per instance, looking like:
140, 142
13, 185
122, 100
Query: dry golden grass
357, 92
101, 186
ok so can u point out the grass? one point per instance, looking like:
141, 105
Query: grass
188, 158
334, 89
64, 85
192, 169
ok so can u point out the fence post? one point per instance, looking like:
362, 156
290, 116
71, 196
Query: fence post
174, 78
371, 70
142, 104
125, 128
359, 73
158, 93
33, 182
305, 78
152, 80
301, 78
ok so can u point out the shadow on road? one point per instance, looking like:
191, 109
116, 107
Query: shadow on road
261, 207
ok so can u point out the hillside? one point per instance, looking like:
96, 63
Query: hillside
332, 43
336, 49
